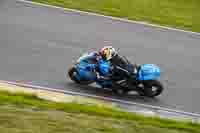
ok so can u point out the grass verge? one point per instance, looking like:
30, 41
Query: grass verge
183, 14
36, 114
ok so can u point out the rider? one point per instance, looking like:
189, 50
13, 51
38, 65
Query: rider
108, 53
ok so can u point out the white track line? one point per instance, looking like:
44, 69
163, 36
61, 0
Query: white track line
103, 98
110, 17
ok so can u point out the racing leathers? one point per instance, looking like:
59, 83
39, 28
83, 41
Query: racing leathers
114, 73
122, 63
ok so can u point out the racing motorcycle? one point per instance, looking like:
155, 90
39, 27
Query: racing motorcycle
146, 82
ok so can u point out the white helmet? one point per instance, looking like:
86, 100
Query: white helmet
107, 52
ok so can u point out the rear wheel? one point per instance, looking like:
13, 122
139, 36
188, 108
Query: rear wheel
72, 73
152, 88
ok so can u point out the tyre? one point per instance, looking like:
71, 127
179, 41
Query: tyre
72, 72
152, 88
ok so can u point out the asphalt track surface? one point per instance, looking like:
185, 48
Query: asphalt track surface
38, 44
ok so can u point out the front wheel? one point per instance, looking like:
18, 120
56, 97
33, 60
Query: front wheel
152, 88
72, 72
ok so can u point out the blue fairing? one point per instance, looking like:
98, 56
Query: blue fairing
84, 68
84, 73
148, 72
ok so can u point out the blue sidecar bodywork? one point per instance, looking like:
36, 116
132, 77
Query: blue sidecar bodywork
148, 72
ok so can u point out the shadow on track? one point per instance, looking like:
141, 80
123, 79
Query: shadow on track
94, 90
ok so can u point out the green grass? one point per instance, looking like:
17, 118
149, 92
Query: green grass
18, 120
26, 113
184, 14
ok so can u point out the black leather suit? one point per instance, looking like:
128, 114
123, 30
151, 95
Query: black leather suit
122, 63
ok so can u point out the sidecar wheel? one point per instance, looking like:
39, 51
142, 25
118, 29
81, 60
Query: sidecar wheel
152, 88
